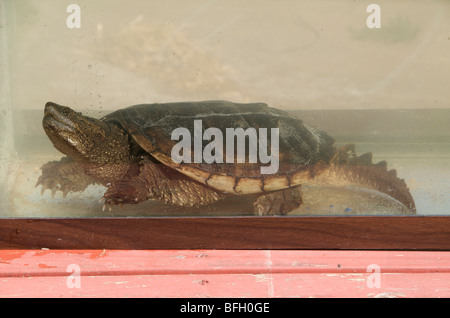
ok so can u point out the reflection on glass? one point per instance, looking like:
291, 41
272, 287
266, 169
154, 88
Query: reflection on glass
332, 81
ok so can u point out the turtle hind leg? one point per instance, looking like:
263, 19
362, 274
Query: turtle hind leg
279, 202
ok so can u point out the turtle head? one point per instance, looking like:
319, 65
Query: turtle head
85, 139
71, 132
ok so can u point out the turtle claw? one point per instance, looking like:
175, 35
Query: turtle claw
108, 203
116, 195
109, 200
48, 183
109, 207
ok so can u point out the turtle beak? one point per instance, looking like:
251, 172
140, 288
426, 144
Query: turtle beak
56, 117
62, 126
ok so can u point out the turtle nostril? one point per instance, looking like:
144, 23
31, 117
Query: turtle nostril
50, 108
50, 104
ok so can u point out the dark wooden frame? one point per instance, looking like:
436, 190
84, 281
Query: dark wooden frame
361, 232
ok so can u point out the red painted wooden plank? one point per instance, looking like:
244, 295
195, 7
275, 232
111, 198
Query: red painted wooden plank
356, 285
232, 285
223, 273
160, 262
221, 285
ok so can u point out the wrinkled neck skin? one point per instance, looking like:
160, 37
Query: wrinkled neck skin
101, 148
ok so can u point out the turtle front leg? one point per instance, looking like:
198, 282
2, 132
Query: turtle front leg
63, 175
279, 202
147, 179
133, 188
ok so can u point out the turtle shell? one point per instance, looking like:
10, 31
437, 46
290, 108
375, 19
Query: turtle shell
303, 151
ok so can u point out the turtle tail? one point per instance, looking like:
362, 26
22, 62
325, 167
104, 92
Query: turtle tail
346, 168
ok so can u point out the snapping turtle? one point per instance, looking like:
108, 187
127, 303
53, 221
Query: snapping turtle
129, 152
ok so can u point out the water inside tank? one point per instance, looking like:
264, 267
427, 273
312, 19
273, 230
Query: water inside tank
384, 89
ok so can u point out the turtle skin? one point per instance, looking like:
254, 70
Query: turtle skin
129, 152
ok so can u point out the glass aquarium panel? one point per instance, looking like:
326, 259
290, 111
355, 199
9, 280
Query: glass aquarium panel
358, 121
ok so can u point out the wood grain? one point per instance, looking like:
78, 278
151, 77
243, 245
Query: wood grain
387, 233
